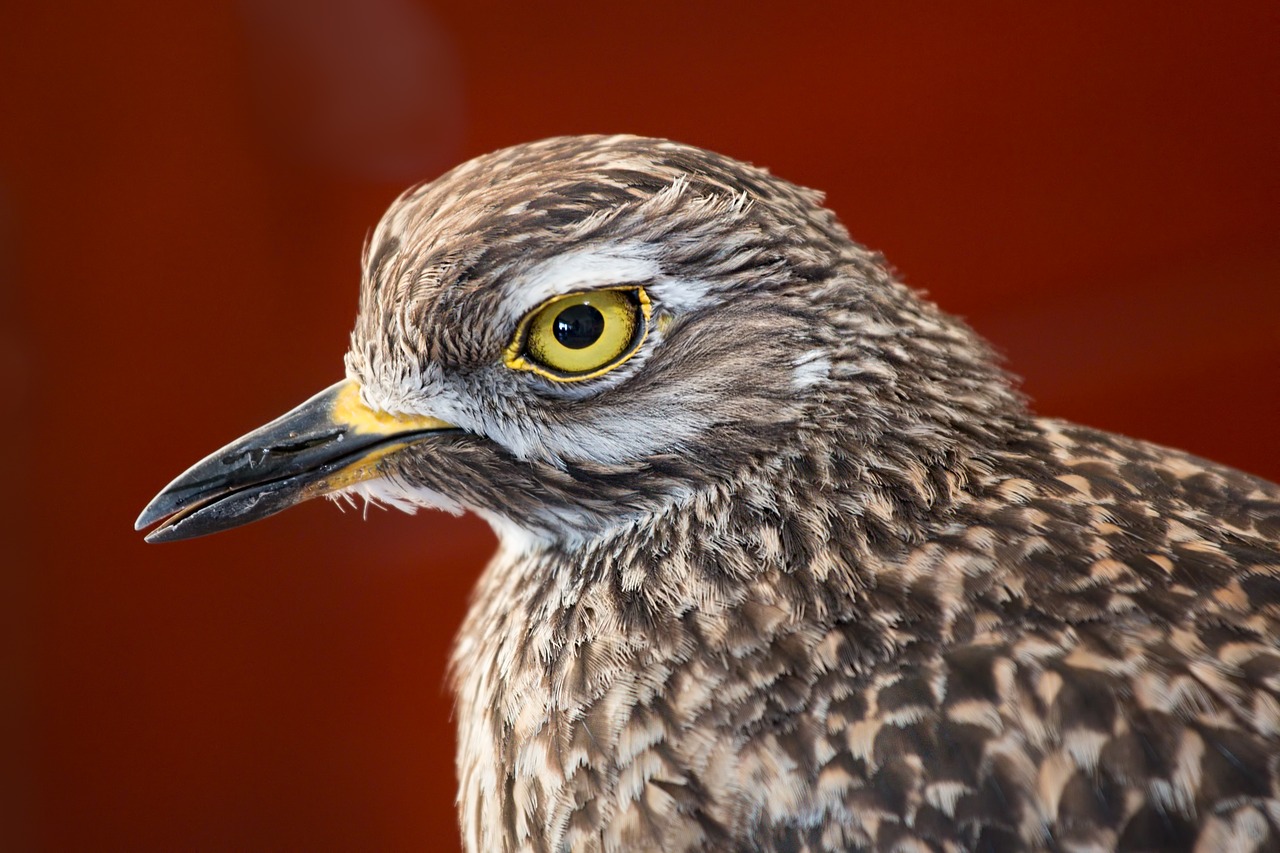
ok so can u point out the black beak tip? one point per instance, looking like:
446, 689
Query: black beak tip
172, 498
150, 515
163, 533
159, 510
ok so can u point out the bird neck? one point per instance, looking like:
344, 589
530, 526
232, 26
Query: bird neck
817, 524
567, 649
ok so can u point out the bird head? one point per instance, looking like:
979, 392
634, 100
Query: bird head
571, 335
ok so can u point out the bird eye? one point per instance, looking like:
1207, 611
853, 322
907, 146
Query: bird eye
581, 335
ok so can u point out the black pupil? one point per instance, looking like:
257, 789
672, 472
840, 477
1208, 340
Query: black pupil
579, 326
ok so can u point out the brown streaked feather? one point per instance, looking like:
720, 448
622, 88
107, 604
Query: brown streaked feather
840, 590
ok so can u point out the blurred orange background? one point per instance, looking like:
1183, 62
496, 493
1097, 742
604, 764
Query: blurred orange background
184, 190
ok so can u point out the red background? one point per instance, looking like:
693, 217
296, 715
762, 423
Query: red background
184, 189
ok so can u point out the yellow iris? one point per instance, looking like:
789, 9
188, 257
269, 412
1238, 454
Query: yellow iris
581, 335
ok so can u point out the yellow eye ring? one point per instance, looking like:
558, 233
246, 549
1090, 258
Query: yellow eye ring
581, 335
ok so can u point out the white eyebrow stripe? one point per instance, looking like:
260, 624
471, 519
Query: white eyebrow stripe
584, 269
603, 266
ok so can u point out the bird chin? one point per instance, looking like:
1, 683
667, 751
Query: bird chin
513, 539
384, 492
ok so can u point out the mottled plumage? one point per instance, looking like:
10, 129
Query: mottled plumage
804, 574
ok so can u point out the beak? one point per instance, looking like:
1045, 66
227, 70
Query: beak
330, 442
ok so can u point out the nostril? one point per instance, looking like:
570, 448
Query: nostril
306, 443
255, 456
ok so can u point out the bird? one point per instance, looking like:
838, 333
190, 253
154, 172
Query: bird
786, 561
